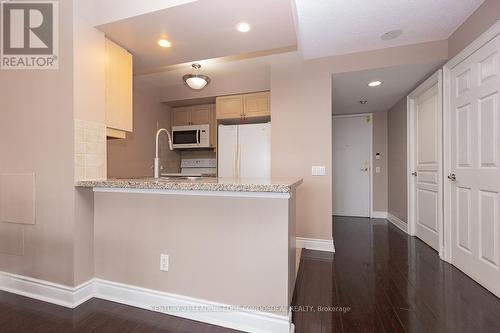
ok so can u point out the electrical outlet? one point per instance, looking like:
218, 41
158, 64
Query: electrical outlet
318, 170
164, 262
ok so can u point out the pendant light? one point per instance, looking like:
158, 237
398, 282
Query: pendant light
196, 81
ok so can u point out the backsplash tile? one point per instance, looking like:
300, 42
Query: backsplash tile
90, 150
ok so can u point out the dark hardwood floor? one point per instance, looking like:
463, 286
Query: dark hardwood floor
379, 280
389, 282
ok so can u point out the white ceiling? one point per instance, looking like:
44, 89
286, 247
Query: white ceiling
99, 12
204, 29
333, 27
350, 88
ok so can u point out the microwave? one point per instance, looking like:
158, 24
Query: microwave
193, 136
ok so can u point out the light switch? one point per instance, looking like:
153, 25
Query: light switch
318, 170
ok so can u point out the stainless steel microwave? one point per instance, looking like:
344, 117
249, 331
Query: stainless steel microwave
193, 136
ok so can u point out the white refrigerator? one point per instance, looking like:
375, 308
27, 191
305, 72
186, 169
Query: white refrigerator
244, 151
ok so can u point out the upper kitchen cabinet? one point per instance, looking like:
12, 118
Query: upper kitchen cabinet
192, 115
119, 90
244, 106
181, 116
257, 105
229, 107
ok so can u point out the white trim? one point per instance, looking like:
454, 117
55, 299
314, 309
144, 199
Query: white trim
54, 293
70, 297
271, 195
483, 39
436, 78
325, 245
378, 215
371, 152
243, 320
397, 222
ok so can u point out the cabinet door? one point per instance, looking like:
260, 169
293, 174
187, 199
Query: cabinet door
200, 114
257, 105
181, 116
119, 90
229, 107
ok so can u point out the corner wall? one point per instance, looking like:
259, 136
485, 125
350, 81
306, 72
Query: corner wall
133, 156
36, 136
380, 180
396, 124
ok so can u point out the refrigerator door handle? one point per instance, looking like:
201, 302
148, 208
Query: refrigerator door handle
235, 162
239, 161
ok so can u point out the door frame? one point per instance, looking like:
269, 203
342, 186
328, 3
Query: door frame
436, 78
370, 160
483, 39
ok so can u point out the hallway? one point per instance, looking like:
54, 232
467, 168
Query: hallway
381, 280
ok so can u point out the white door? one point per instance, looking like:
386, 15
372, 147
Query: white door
226, 150
426, 194
474, 184
352, 137
254, 151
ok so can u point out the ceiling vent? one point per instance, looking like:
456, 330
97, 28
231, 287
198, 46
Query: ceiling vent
393, 34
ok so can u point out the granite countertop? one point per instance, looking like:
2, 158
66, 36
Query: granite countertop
274, 185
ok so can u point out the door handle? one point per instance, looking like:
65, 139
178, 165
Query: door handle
452, 177
414, 174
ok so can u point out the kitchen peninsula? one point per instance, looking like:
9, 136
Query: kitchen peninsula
228, 241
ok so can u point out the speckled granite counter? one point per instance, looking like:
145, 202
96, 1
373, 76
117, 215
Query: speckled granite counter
275, 185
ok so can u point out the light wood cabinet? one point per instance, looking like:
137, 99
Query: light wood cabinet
119, 90
244, 106
229, 107
200, 114
257, 105
181, 116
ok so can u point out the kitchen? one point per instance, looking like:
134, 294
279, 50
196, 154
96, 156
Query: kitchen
191, 136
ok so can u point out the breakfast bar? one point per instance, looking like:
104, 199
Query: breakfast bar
230, 244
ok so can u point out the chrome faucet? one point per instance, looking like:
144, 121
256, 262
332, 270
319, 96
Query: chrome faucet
157, 159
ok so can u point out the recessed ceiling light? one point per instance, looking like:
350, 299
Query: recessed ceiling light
243, 27
363, 101
391, 34
164, 43
374, 83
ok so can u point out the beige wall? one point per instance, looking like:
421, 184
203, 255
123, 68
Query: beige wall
257, 80
483, 18
232, 250
301, 104
396, 122
380, 185
133, 156
36, 136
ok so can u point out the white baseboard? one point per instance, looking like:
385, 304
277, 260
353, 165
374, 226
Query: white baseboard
397, 222
69, 297
379, 215
316, 244
181, 306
